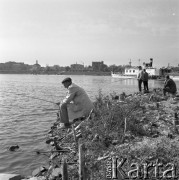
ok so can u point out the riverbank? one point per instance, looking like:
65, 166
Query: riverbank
89, 73
141, 128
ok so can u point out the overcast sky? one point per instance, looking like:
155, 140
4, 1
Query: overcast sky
63, 32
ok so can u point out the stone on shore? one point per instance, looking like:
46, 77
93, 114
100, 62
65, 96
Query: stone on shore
36, 178
56, 172
10, 177
39, 171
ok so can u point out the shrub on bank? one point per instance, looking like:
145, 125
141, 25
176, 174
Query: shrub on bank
117, 129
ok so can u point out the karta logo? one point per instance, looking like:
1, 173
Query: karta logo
115, 169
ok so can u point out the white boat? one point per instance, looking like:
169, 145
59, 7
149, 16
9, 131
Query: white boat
132, 72
122, 76
175, 78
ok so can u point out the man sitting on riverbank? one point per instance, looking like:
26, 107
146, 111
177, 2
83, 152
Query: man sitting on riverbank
76, 104
169, 86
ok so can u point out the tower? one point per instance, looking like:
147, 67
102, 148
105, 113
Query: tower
151, 62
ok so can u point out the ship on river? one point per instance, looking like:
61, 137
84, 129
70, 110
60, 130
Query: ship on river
131, 72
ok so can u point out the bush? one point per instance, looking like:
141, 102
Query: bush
112, 121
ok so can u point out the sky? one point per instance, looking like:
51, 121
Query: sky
64, 32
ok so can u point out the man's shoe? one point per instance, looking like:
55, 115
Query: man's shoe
67, 125
64, 126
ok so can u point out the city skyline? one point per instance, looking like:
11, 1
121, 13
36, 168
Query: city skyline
63, 32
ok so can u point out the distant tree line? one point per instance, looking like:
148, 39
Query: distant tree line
20, 67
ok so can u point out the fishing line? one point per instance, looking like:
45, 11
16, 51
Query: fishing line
39, 99
49, 109
33, 97
34, 114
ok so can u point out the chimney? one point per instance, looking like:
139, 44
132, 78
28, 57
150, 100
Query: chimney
151, 62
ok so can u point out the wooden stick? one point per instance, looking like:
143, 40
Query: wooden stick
77, 127
74, 135
125, 127
81, 163
64, 170
65, 150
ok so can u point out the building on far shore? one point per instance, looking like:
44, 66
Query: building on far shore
14, 67
98, 65
77, 67
36, 68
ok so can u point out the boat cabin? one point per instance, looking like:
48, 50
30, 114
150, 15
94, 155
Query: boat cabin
131, 71
153, 72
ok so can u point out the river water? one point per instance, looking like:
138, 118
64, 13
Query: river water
25, 120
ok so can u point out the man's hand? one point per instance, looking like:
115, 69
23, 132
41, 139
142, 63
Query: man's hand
58, 103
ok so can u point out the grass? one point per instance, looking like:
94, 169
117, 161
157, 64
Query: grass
117, 129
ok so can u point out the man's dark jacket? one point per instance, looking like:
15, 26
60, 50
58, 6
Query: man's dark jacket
170, 84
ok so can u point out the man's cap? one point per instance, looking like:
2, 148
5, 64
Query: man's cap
68, 79
167, 76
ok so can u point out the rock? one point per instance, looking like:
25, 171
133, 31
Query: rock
53, 127
53, 156
57, 147
115, 142
37, 178
13, 148
107, 141
52, 143
174, 102
50, 135
48, 141
96, 138
115, 97
79, 135
176, 98
151, 97
122, 96
171, 136
39, 171
56, 172
50, 132
154, 125
155, 135
143, 119
10, 177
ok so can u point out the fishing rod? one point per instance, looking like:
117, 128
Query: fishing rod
33, 97
23, 93
40, 99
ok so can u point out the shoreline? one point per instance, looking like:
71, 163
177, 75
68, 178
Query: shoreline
62, 73
154, 113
